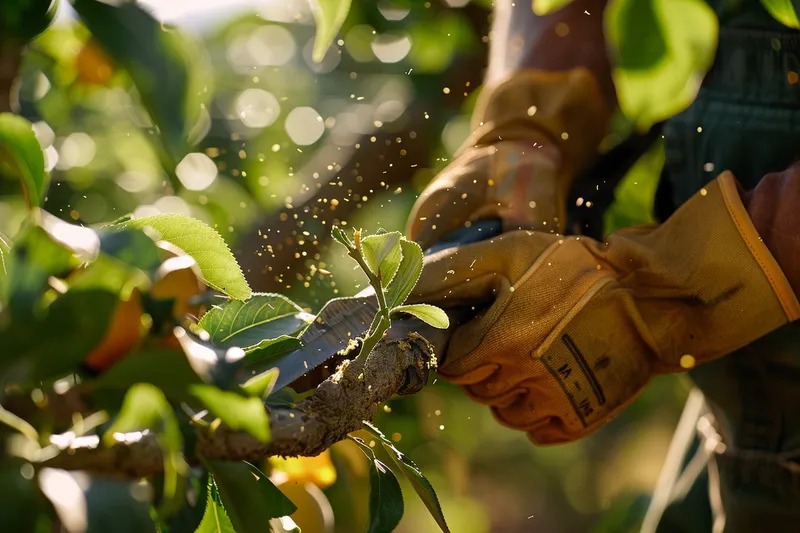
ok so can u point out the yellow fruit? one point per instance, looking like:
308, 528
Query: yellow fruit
93, 64
122, 335
318, 470
314, 513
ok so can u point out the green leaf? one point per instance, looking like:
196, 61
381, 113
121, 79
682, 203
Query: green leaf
634, 196
385, 496
75, 323
249, 497
407, 275
783, 11
215, 518
430, 314
385, 499
383, 255
661, 50
261, 385
117, 506
21, 158
414, 475
131, 247
269, 350
341, 237
110, 275
545, 7
20, 496
174, 377
146, 407
191, 514
329, 16
5, 250
245, 413
127, 258
33, 259
25, 19
217, 264
246, 324
212, 364
154, 58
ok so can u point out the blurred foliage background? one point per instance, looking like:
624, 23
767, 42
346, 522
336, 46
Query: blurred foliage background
284, 149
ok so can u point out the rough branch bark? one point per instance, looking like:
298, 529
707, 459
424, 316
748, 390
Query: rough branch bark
337, 408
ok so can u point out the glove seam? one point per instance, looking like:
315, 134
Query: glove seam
550, 250
576, 308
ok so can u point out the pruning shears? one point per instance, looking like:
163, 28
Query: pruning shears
344, 319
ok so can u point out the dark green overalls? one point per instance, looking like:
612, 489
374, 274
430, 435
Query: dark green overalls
734, 465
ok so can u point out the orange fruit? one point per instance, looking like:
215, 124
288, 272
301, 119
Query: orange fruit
122, 335
93, 64
318, 470
178, 278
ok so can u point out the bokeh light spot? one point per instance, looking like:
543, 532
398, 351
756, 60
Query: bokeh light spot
391, 48
133, 181
77, 150
196, 171
304, 125
257, 108
271, 45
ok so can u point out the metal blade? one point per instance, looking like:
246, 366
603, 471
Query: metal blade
338, 322
344, 319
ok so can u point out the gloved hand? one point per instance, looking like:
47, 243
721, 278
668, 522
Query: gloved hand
569, 330
532, 135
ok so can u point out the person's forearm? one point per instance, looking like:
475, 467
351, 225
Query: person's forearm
566, 39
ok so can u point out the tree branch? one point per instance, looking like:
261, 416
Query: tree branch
338, 407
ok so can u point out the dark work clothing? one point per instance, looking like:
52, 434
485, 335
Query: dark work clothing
746, 119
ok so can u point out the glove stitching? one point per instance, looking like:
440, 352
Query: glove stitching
539, 352
549, 251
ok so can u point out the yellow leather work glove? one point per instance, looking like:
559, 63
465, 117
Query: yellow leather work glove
532, 134
569, 330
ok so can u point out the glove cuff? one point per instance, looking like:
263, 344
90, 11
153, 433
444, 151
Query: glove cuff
729, 188
698, 287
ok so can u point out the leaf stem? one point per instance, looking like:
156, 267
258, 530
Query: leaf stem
374, 280
13, 421
381, 321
